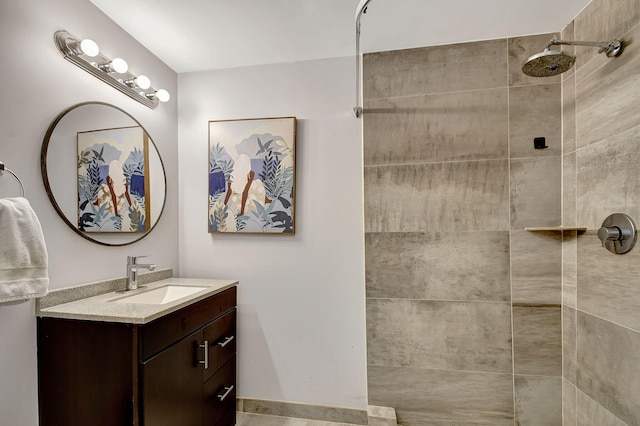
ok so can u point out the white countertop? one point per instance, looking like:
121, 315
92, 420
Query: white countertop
103, 308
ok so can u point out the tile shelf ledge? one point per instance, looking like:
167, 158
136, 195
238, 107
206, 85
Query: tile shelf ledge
555, 228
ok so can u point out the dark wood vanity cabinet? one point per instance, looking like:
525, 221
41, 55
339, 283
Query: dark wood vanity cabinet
179, 370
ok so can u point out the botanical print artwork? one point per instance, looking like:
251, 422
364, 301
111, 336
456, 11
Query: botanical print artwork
113, 180
251, 175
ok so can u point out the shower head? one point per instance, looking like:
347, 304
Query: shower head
548, 63
553, 62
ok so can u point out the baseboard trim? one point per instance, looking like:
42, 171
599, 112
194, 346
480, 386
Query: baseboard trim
302, 411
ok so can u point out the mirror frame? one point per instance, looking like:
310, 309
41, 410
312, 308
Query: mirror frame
47, 186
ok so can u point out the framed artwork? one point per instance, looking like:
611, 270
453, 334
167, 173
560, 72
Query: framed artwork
113, 180
252, 176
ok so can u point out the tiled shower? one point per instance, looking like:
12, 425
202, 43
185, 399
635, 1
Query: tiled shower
470, 318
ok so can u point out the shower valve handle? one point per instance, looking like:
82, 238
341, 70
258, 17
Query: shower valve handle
612, 233
618, 233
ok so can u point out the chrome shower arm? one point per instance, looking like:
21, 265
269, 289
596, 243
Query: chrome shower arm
610, 48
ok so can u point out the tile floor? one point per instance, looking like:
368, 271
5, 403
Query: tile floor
249, 419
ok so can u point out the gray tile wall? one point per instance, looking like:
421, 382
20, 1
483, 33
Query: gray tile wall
601, 132
443, 397
451, 180
570, 242
410, 265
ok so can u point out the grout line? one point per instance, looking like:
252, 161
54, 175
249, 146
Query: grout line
456, 370
598, 403
574, 245
412, 299
603, 319
562, 239
436, 162
510, 303
459, 231
452, 92
449, 370
538, 375
513, 337
418, 163
513, 352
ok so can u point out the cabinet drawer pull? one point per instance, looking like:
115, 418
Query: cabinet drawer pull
205, 345
224, 395
227, 340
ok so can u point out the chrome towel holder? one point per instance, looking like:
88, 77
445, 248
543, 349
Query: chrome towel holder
4, 169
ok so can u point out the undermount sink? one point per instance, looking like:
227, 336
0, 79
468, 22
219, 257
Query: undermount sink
161, 295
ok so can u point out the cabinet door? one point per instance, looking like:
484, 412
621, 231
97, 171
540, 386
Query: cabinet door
220, 335
84, 373
171, 389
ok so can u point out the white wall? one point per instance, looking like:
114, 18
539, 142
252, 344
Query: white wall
303, 331
37, 84
301, 298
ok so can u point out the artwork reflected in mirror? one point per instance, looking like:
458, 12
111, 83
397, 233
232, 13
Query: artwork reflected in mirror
103, 174
252, 176
113, 183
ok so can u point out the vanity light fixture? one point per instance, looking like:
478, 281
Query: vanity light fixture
115, 72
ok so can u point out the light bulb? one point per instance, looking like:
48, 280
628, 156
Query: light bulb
163, 95
89, 48
119, 65
142, 81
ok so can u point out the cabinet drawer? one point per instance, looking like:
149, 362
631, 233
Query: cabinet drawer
219, 395
166, 330
228, 420
221, 337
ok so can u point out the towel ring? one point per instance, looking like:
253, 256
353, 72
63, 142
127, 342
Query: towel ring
4, 169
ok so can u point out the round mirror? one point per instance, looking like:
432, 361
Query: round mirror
103, 174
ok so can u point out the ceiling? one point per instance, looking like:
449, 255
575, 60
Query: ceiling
197, 35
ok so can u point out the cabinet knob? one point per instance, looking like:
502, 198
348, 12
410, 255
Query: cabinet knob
205, 345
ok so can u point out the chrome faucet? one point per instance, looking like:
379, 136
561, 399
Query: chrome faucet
132, 271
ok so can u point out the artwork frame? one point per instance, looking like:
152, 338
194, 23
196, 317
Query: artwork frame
252, 176
113, 184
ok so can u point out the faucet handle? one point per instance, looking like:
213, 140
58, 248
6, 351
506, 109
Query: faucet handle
133, 259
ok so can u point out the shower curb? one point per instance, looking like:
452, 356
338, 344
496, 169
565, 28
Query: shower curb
381, 416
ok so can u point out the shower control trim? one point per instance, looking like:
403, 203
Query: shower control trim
618, 233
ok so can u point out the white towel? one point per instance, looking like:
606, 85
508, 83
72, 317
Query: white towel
23, 254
